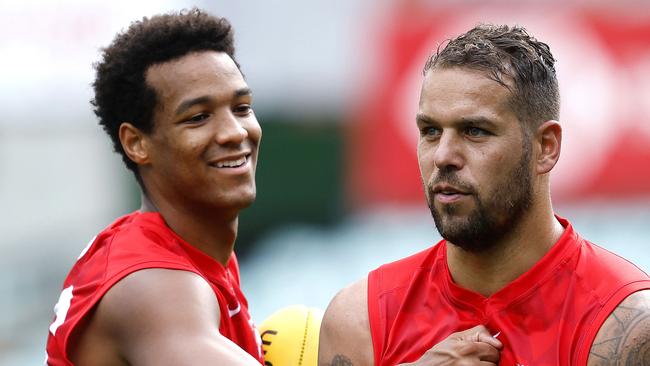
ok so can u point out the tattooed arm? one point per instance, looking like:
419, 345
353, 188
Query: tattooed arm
345, 332
624, 338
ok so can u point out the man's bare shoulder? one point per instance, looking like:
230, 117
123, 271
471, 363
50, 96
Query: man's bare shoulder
624, 338
345, 338
157, 293
135, 308
161, 316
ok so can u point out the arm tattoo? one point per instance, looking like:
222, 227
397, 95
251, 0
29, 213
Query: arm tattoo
624, 338
340, 360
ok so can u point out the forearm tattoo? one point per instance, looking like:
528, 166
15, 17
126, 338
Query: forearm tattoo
340, 360
624, 339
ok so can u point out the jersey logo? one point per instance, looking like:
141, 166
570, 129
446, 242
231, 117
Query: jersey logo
235, 311
61, 309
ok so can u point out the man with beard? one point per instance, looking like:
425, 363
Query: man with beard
528, 287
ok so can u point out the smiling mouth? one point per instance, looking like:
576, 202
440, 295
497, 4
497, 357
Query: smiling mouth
229, 164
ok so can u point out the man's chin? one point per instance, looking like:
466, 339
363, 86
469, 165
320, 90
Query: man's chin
242, 202
445, 220
232, 200
457, 230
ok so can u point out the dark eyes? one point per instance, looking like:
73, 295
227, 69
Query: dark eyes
198, 118
243, 109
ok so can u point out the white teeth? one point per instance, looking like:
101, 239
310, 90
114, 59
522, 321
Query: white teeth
232, 163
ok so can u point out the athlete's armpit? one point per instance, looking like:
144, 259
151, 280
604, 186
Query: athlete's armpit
624, 338
340, 360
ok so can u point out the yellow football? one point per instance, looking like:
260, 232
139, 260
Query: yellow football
290, 336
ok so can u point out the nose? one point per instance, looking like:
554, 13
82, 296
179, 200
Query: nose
230, 130
448, 153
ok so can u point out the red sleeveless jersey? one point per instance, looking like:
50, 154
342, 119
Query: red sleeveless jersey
548, 316
134, 242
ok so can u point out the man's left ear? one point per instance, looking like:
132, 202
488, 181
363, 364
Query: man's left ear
549, 139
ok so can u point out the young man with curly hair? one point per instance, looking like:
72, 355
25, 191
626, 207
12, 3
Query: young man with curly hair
160, 286
529, 288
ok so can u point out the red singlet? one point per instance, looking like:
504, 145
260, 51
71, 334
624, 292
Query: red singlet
548, 316
138, 241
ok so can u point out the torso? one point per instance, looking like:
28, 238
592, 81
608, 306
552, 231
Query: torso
548, 316
135, 242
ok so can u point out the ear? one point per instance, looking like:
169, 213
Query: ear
134, 143
549, 140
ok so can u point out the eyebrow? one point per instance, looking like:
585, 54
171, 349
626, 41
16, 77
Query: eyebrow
243, 92
478, 121
204, 99
423, 118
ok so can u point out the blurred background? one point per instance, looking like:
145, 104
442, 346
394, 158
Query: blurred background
336, 86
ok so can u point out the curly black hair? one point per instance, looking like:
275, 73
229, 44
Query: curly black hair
121, 91
501, 50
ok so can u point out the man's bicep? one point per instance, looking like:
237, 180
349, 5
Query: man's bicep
345, 331
168, 317
624, 338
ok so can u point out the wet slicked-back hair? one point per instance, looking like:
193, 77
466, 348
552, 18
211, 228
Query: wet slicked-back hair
121, 91
513, 58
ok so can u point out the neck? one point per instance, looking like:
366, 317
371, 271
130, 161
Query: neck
213, 232
489, 271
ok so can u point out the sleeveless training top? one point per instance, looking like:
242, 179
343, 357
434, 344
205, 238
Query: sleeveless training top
548, 316
138, 241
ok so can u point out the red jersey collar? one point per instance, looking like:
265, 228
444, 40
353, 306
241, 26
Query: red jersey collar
521, 287
209, 266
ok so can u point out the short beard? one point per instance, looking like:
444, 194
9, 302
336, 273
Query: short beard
494, 217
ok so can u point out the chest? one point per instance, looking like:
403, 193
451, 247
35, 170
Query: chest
544, 326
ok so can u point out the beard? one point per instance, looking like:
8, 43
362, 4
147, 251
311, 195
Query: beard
496, 214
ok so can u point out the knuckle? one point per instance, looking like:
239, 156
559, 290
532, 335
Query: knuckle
457, 334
